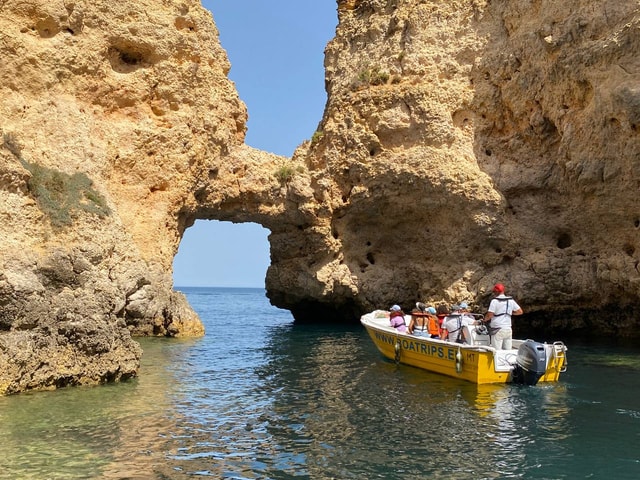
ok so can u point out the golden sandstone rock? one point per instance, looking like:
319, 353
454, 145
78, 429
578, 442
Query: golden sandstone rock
112, 117
463, 143
344, 5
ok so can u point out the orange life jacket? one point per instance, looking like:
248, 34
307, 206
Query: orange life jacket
432, 325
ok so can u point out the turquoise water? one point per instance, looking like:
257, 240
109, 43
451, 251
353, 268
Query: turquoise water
261, 398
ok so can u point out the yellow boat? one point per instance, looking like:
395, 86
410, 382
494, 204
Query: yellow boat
528, 362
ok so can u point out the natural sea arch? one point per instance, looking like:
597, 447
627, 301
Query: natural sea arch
276, 51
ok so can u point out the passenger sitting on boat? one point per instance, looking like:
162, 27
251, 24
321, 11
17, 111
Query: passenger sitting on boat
452, 325
464, 307
464, 310
424, 324
441, 312
396, 318
499, 314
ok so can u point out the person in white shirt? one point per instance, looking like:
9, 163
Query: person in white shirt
453, 324
501, 309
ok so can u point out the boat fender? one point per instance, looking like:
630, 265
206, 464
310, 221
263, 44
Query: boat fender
397, 348
459, 361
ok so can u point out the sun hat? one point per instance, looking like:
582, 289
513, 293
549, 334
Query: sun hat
395, 308
498, 287
431, 310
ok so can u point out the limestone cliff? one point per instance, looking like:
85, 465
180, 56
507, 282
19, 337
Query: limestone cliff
469, 142
114, 117
463, 142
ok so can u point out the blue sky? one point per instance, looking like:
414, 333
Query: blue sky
276, 50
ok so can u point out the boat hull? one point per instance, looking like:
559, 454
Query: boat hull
479, 364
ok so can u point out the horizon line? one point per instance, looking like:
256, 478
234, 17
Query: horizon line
216, 286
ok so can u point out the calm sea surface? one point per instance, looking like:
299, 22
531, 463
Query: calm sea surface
261, 398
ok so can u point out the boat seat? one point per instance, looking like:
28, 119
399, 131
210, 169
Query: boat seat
474, 338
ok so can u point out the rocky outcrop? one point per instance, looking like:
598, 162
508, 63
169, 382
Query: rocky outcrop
463, 143
471, 142
113, 118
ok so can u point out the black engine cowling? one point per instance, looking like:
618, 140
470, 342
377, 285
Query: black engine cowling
531, 363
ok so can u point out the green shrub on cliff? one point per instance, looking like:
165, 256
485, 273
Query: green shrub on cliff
10, 142
373, 75
284, 174
59, 194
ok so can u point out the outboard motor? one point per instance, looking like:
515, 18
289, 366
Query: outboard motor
531, 363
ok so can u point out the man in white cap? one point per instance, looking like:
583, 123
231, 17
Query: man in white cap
499, 314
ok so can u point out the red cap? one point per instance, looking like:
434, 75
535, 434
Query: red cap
498, 287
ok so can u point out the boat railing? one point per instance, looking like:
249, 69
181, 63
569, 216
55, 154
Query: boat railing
560, 356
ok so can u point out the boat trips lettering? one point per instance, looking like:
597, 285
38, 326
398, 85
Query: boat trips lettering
431, 350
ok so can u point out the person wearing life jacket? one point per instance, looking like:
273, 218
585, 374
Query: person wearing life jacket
396, 319
464, 310
441, 312
434, 323
499, 314
452, 326
424, 323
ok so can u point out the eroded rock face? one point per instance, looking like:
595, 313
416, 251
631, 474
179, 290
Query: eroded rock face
463, 143
113, 117
471, 142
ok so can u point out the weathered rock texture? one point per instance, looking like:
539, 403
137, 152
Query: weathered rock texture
464, 142
469, 142
113, 119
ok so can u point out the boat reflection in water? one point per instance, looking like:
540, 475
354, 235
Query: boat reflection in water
498, 402
512, 418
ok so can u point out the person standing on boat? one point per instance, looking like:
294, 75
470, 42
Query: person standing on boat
498, 317
396, 318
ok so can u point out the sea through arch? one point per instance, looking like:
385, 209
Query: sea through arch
216, 253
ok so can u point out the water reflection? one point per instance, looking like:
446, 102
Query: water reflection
508, 403
490, 432
371, 416
270, 400
112, 431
